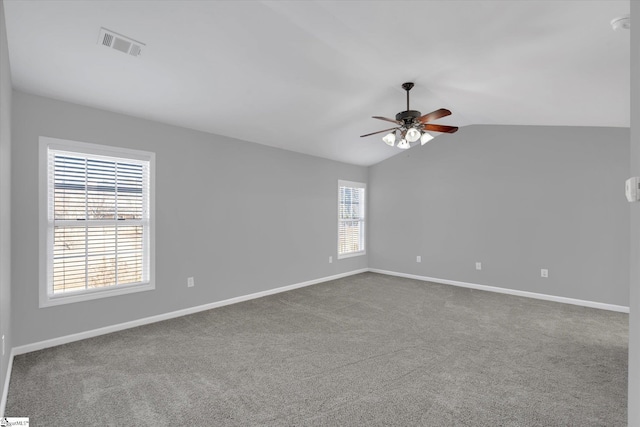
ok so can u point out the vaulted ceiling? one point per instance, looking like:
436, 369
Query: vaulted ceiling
307, 76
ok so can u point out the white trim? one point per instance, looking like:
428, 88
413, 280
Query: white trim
565, 300
351, 254
354, 184
27, 348
97, 150
7, 380
97, 294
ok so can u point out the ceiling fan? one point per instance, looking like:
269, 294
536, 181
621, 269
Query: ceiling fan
412, 125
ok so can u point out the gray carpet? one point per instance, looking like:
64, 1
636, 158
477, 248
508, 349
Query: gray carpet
364, 350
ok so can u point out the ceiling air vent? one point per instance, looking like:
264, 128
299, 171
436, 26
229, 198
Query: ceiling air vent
119, 42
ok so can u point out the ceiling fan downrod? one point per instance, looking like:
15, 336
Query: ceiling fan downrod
407, 86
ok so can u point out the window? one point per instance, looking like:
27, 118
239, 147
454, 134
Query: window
96, 221
351, 214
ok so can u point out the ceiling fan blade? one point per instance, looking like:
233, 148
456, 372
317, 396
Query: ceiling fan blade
440, 128
380, 131
434, 115
389, 120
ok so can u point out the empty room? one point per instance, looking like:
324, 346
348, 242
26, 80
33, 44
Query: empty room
319, 213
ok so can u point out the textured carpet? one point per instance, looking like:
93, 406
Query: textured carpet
364, 350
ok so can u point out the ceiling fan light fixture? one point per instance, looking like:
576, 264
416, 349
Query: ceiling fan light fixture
390, 139
426, 137
413, 135
403, 144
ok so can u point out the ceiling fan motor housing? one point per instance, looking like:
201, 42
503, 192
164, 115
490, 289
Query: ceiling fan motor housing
408, 116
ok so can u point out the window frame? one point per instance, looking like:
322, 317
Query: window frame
46, 299
363, 251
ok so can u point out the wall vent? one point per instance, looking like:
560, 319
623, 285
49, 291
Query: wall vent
119, 42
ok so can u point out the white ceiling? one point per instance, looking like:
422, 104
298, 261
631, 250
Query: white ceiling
307, 76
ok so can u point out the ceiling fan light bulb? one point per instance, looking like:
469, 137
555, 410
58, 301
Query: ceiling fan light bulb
426, 137
390, 138
403, 144
413, 135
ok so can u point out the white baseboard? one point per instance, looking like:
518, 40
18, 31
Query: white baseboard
5, 388
165, 316
592, 304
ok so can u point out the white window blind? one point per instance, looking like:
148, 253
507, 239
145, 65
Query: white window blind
351, 218
98, 222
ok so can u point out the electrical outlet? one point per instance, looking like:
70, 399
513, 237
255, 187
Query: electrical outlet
330, 259
190, 282
544, 272
418, 258
478, 266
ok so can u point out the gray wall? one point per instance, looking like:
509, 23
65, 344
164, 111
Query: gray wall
515, 198
239, 217
634, 303
5, 198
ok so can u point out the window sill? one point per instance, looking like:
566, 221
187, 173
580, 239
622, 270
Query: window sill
351, 254
46, 301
